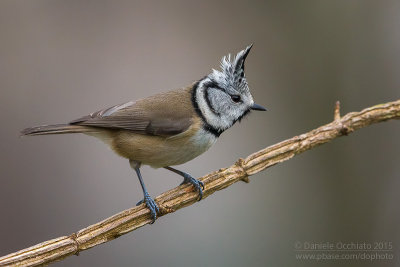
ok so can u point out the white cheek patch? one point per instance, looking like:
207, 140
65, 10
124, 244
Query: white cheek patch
218, 122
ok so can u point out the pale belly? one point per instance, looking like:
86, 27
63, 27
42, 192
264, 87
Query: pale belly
159, 151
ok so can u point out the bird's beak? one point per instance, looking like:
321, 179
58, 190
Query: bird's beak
257, 107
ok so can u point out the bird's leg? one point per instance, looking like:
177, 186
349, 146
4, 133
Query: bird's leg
150, 203
187, 178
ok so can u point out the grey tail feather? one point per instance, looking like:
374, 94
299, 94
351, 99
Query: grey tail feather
55, 129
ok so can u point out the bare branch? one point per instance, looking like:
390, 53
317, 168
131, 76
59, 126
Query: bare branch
182, 196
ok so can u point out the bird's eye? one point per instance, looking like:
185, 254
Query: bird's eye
235, 98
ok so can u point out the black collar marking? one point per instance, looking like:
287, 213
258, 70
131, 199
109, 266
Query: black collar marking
206, 125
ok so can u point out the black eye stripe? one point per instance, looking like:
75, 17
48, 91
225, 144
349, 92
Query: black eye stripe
208, 101
212, 84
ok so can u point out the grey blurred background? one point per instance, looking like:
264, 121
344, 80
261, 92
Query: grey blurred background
60, 60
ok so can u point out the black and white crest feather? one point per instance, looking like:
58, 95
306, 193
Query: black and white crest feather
232, 71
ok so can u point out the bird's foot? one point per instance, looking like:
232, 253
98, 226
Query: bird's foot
151, 205
199, 185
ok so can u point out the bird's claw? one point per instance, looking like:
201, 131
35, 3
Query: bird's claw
199, 185
151, 205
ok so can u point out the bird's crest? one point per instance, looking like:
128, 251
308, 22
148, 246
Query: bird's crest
232, 71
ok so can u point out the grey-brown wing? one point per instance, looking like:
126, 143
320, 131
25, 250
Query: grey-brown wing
143, 117
114, 117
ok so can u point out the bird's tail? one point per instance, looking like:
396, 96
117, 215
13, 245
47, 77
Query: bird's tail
55, 129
